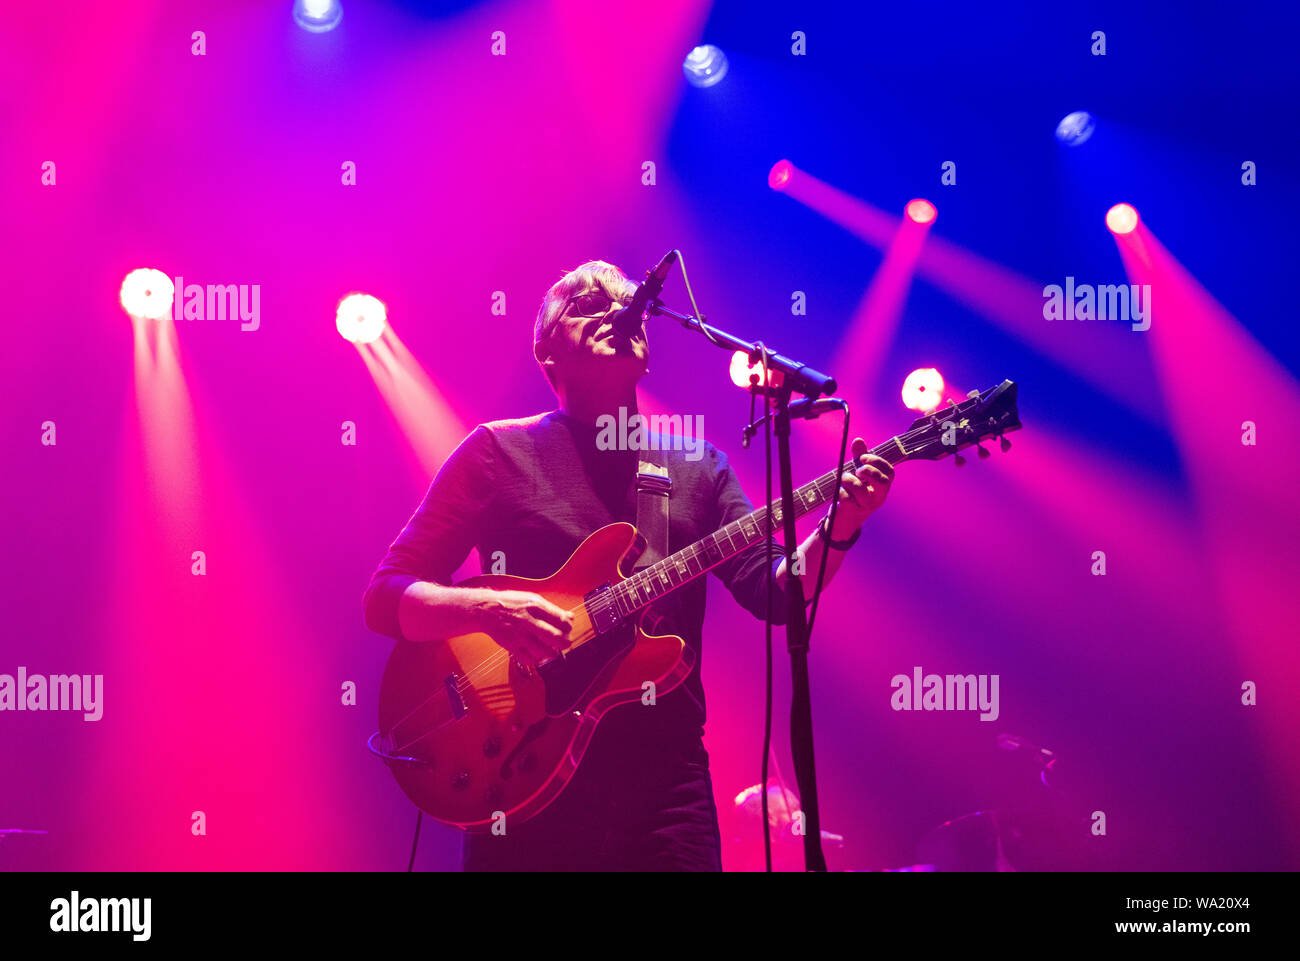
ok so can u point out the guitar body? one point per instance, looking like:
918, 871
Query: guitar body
470, 734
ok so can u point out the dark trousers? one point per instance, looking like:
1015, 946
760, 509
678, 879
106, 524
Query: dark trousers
633, 805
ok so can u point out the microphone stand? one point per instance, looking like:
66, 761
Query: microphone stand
796, 377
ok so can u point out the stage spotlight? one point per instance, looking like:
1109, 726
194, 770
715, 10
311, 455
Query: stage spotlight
318, 16
1075, 128
923, 390
778, 178
361, 318
1121, 219
746, 375
147, 293
921, 211
704, 66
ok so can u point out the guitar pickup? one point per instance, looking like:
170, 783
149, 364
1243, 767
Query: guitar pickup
601, 609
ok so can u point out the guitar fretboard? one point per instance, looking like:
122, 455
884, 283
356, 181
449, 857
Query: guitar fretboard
648, 585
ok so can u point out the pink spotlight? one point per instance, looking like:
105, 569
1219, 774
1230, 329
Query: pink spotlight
923, 390
361, 318
778, 178
921, 211
1121, 219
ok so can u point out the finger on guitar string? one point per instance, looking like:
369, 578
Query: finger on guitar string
525, 623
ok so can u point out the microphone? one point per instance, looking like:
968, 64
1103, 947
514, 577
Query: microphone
803, 407
628, 320
810, 408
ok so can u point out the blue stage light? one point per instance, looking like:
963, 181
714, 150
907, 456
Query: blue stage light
1075, 128
318, 16
704, 66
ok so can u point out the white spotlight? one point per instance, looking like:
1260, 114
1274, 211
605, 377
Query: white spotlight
923, 390
361, 318
147, 293
704, 66
1075, 128
318, 16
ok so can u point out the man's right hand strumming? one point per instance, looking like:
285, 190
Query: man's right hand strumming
524, 623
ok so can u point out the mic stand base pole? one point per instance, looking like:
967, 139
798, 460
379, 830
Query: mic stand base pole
801, 732
811, 383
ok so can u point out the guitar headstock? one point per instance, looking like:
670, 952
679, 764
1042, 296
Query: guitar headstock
947, 430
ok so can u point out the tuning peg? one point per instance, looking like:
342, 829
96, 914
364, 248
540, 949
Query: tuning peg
959, 460
983, 452
972, 394
1006, 444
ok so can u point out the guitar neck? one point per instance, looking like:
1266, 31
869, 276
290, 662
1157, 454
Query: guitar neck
656, 581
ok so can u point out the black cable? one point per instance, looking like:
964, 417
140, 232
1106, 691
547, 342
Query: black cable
830, 523
690, 295
415, 842
767, 631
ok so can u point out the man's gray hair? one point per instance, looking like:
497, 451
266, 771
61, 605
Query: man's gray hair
594, 273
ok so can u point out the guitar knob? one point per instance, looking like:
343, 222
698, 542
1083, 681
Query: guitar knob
460, 780
959, 460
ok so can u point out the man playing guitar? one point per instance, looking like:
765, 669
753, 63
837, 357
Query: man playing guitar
529, 491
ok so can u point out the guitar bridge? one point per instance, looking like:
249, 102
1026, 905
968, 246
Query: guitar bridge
458, 706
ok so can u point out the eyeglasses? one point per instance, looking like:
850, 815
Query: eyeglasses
592, 303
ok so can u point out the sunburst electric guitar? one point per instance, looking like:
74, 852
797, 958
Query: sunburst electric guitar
471, 735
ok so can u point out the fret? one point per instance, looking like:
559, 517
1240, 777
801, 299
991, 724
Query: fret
712, 553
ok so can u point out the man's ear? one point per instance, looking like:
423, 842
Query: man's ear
543, 354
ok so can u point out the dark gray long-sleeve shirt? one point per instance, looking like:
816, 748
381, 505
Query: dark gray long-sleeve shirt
533, 489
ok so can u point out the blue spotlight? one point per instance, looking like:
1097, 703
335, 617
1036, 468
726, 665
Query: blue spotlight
318, 16
704, 66
1076, 128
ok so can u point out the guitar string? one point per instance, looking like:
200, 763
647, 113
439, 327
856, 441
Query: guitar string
890, 448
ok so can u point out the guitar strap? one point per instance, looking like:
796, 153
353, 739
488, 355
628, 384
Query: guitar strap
653, 489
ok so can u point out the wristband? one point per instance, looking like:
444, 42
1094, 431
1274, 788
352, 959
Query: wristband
824, 532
